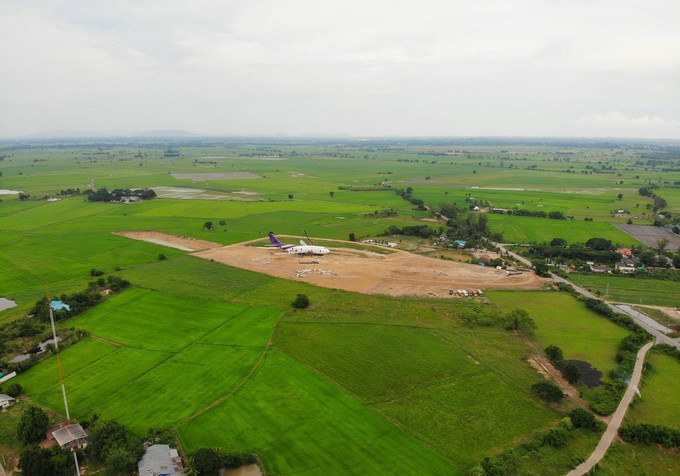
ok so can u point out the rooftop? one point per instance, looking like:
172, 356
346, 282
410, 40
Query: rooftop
69, 433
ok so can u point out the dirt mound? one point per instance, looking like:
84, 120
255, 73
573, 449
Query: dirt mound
396, 274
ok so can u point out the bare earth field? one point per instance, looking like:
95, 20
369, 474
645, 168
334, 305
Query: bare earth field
649, 235
183, 243
397, 274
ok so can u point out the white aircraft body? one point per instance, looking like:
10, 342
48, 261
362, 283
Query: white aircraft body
301, 249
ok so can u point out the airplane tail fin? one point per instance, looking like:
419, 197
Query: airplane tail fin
275, 241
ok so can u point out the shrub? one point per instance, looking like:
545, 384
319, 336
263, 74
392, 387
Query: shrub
556, 437
583, 419
14, 390
650, 434
301, 301
571, 373
555, 355
547, 391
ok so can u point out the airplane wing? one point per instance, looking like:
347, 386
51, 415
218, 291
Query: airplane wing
302, 243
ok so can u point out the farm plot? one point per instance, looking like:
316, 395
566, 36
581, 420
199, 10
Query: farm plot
153, 321
565, 322
659, 393
656, 292
449, 387
45, 375
519, 229
301, 424
650, 235
156, 335
90, 386
181, 386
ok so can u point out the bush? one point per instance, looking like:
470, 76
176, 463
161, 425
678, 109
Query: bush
583, 419
555, 355
556, 437
301, 301
649, 434
571, 373
547, 391
14, 390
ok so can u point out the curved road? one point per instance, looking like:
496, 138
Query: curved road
617, 417
659, 336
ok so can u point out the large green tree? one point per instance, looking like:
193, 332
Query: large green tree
32, 425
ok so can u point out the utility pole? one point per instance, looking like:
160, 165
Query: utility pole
61, 373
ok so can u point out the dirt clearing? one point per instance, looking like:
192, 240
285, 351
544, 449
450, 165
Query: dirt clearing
397, 274
650, 235
183, 243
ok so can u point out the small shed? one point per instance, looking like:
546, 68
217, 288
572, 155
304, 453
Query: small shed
160, 460
6, 401
69, 436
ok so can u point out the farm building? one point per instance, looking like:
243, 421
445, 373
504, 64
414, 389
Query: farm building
160, 460
68, 435
6, 401
58, 306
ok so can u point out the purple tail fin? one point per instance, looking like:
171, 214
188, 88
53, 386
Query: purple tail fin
275, 241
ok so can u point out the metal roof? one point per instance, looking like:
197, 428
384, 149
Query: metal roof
160, 460
69, 433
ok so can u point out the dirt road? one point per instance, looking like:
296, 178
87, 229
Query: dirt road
617, 417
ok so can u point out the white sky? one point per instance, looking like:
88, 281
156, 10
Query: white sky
594, 68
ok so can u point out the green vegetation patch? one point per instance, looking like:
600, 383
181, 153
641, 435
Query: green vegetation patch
518, 229
73, 359
659, 403
250, 328
181, 386
155, 321
300, 424
640, 460
655, 292
564, 321
90, 386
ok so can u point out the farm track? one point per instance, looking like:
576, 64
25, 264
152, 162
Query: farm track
616, 419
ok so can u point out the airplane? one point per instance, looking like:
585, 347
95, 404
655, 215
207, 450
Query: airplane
301, 249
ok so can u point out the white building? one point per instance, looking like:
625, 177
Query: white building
160, 460
6, 401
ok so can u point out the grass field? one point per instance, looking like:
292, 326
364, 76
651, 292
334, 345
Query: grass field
517, 229
354, 384
654, 292
565, 322
660, 391
158, 336
639, 460
308, 426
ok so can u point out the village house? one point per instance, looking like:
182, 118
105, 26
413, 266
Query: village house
160, 460
6, 401
68, 436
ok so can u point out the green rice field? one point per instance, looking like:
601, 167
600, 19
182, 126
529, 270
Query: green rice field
355, 384
654, 292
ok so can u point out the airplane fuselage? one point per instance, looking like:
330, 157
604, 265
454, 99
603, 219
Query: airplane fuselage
308, 250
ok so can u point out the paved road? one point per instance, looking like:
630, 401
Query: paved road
617, 417
642, 322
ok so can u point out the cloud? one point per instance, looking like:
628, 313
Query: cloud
618, 119
527, 67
